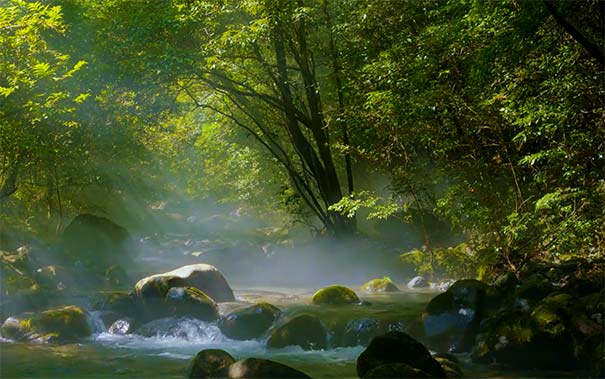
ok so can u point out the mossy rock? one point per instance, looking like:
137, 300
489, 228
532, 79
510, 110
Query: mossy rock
442, 303
188, 302
397, 347
396, 370
335, 295
262, 368
63, 324
535, 288
553, 312
380, 285
250, 322
450, 366
305, 331
201, 276
516, 338
211, 363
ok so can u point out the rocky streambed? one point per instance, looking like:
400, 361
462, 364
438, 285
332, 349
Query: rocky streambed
535, 325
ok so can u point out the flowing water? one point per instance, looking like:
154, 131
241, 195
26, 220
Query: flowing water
166, 353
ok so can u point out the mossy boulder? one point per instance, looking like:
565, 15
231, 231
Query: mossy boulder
335, 295
397, 347
188, 302
380, 285
63, 324
396, 370
201, 276
305, 331
523, 339
211, 363
250, 322
262, 368
535, 288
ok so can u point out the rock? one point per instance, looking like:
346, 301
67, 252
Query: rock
380, 285
536, 287
506, 282
96, 241
418, 282
211, 363
450, 366
188, 302
263, 368
396, 370
63, 324
250, 322
397, 347
305, 331
452, 318
122, 303
121, 327
335, 295
201, 276
516, 338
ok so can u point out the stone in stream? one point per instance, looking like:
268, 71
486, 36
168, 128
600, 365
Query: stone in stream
211, 363
189, 302
452, 318
397, 347
380, 285
121, 327
305, 331
262, 368
418, 282
250, 322
204, 277
63, 324
335, 295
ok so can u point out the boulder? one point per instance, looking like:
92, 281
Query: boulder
452, 318
396, 370
536, 287
201, 276
262, 368
335, 295
63, 324
397, 347
250, 322
188, 302
523, 339
211, 363
418, 282
380, 285
506, 282
305, 331
96, 241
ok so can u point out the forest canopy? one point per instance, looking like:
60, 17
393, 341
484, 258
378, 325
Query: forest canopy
476, 122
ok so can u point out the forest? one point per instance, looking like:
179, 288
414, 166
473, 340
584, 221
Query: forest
297, 188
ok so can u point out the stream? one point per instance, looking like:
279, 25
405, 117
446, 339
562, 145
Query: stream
167, 353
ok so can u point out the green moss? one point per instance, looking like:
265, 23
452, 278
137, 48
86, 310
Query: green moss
59, 324
335, 295
380, 285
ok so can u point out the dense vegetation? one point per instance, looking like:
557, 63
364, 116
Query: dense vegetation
486, 118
